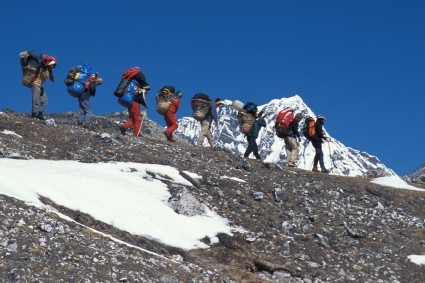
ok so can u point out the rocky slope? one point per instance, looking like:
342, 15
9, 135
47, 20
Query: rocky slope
298, 226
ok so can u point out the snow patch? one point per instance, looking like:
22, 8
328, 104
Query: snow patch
395, 182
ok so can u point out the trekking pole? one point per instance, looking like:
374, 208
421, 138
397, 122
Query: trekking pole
305, 148
141, 122
330, 155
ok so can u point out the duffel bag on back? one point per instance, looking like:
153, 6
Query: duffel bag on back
130, 94
80, 80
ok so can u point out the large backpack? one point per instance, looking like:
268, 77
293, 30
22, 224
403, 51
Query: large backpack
26, 57
246, 122
78, 79
126, 78
164, 98
31, 62
200, 104
309, 129
283, 120
130, 94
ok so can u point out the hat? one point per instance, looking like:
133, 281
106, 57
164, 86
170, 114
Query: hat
170, 88
49, 60
320, 117
299, 116
218, 101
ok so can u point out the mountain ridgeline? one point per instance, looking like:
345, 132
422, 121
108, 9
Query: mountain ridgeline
417, 176
341, 160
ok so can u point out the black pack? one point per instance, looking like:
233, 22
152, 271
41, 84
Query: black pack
70, 77
282, 131
122, 86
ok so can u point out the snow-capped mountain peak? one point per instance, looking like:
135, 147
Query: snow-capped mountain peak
339, 159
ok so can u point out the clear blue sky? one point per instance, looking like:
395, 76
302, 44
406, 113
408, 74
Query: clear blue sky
361, 63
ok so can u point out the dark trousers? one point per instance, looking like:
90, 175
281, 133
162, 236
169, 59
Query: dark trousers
252, 147
318, 158
85, 108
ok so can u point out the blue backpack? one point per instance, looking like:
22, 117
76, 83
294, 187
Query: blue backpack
78, 79
130, 94
250, 107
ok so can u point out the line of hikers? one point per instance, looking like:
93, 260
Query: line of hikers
81, 82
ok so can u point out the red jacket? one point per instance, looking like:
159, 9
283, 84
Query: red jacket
174, 106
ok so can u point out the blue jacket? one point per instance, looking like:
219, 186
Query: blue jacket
212, 115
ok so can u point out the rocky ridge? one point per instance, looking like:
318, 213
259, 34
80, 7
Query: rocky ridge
296, 225
417, 176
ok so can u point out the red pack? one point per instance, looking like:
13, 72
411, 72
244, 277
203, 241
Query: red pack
284, 118
126, 78
130, 73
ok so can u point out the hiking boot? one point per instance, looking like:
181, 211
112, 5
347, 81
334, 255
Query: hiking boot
324, 170
315, 169
169, 137
123, 130
34, 115
40, 116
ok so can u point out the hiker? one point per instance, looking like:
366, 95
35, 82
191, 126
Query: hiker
170, 114
39, 95
317, 139
134, 89
291, 139
253, 135
82, 82
206, 124
86, 111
